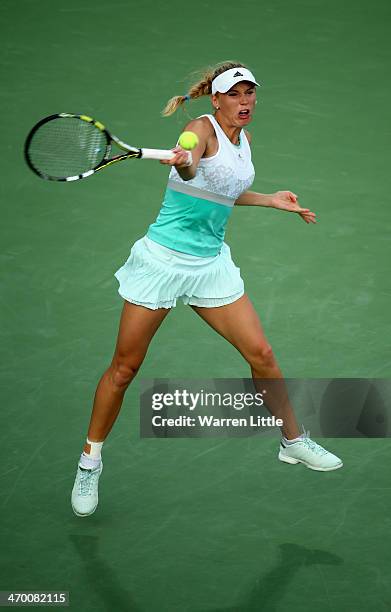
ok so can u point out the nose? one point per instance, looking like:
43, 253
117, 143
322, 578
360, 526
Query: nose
244, 100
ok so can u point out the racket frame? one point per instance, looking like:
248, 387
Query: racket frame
131, 152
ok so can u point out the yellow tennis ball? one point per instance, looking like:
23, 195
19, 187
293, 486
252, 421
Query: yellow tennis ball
188, 140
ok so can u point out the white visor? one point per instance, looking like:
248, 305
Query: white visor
229, 78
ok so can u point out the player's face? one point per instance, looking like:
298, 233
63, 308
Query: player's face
238, 103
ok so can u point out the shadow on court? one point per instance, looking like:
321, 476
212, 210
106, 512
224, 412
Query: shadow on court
270, 589
265, 596
100, 578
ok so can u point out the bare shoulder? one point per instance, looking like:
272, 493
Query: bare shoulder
204, 130
248, 136
200, 126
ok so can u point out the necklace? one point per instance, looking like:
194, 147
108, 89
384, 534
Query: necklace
238, 144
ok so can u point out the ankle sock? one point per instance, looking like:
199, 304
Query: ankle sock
93, 459
288, 442
95, 449
87, 463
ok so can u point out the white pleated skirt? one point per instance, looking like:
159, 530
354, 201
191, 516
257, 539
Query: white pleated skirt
155, 276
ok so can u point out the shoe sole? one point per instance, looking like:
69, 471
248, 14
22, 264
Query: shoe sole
81, 515
92, 511
293, 461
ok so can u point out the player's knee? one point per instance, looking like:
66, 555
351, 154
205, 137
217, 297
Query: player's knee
261, 356
123, 372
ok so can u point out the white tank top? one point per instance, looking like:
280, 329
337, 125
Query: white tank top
229, 172
194, 213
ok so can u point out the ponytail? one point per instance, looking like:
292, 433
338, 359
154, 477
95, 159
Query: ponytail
203, 87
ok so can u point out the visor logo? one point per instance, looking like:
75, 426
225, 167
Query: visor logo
237, 74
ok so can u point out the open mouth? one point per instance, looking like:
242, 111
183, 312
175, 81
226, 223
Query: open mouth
243, 114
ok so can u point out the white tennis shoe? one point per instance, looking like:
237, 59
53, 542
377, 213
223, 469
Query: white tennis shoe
310, 453
84, 498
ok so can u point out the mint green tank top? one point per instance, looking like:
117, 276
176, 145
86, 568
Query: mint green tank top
194, 213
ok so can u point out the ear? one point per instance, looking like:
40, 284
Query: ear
215, 101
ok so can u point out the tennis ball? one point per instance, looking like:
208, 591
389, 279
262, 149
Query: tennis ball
188, 140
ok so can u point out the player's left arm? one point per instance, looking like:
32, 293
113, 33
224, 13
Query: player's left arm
282, 200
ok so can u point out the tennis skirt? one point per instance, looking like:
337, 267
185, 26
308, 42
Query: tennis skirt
155, 276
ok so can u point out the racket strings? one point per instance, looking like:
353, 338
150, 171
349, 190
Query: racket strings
66, 147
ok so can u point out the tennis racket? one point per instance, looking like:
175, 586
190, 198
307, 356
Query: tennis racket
66, 147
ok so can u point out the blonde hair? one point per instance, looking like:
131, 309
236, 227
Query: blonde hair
203, 87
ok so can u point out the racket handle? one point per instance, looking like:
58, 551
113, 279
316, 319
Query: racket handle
156, 154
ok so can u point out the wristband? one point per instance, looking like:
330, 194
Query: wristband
189, 160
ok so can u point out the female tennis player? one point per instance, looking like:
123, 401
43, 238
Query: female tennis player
184, 256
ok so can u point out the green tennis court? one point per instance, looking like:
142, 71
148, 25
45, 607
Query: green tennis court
200, 525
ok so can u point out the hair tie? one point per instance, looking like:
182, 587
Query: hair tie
186, 97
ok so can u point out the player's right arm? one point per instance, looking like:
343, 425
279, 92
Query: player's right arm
203, 128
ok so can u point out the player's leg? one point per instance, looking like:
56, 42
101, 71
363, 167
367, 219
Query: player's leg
136, 330
137, 327
240, 325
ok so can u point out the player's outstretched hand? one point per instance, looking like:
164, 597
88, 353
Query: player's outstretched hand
286, 200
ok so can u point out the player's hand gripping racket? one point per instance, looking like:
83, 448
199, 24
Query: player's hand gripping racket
66, 147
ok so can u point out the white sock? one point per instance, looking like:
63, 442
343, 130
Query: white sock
93, 459
292, 441
95, 450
